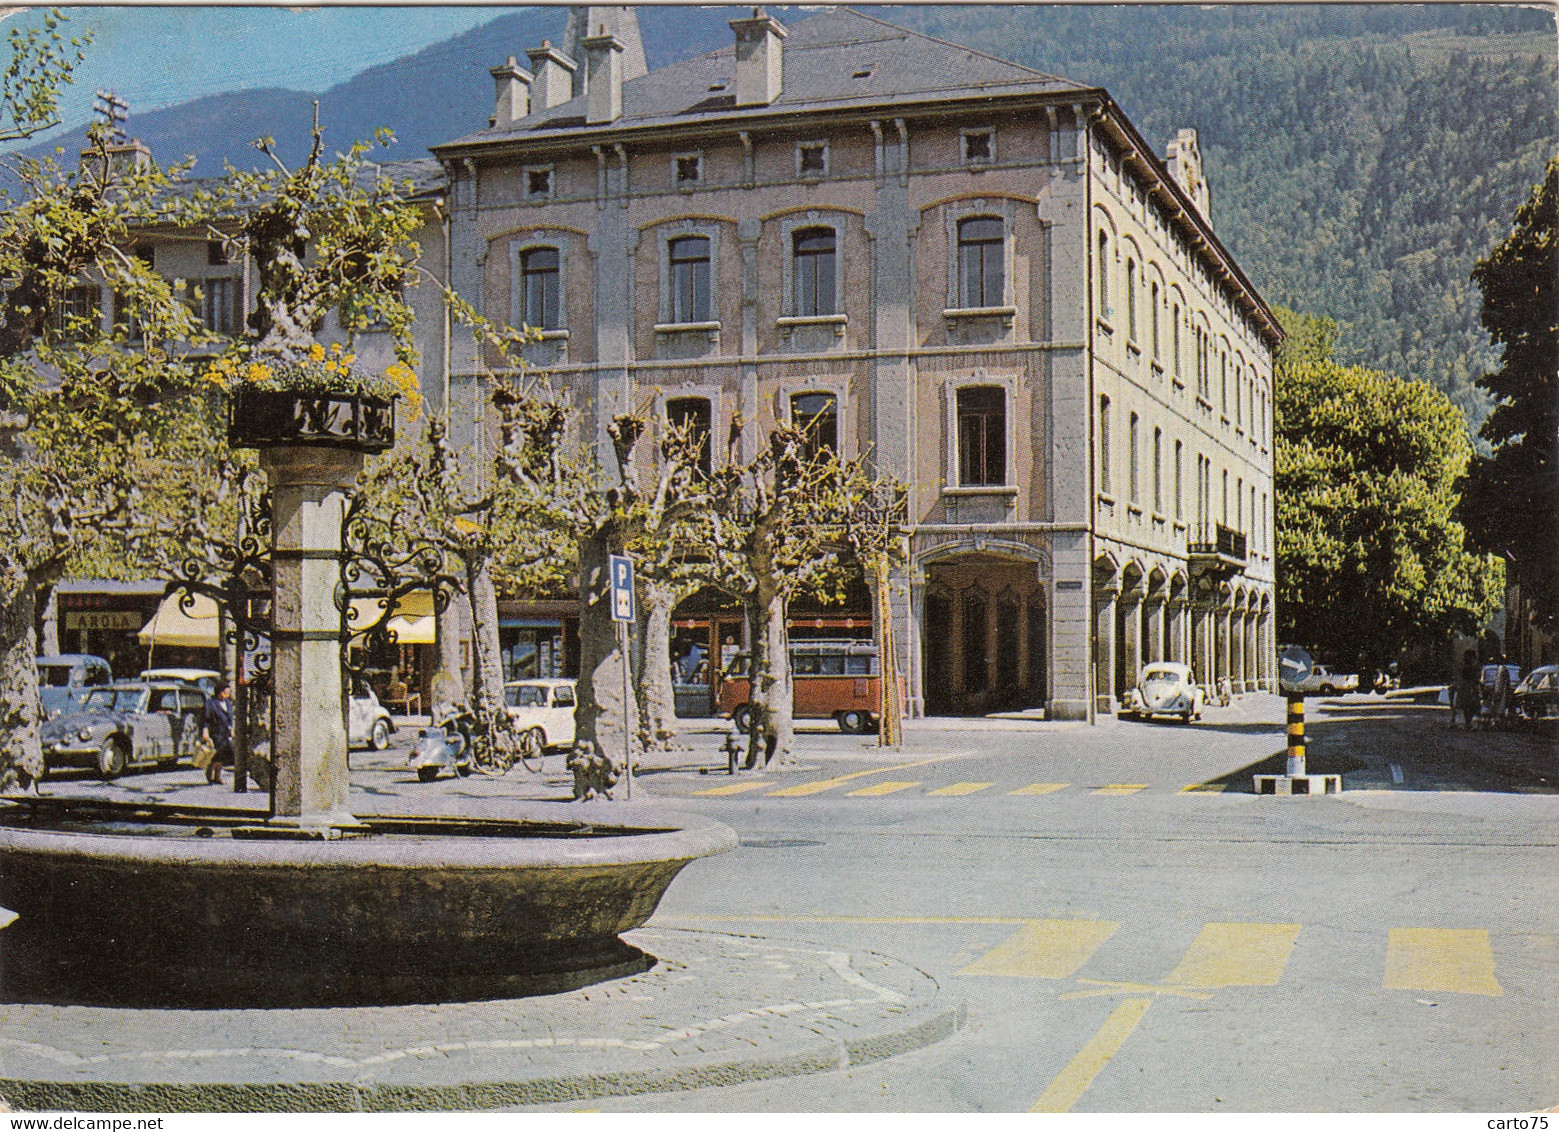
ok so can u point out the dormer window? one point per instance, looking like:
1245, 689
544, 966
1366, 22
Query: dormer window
979, 147
687, 169
812, 159
538, 182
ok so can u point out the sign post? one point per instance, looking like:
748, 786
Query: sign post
621, 569
1294, 668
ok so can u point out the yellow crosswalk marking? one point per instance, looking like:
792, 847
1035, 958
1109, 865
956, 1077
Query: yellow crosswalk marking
1040, 788
1121, 788
878, 789
1073, 1081
1458, 960
1205, 788
1236, 955
733, 788
959, 789
1044, 949
802, 790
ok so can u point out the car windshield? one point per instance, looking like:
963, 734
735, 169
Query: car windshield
526, 695
1161, 678
54, 675
114, 699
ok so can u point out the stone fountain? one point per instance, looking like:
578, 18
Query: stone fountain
120, 903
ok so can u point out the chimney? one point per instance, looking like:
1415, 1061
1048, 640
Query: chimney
603, 78
554, 83
511, 85
759, 70
124, 156
1185, 166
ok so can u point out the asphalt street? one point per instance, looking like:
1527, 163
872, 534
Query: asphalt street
1131, 928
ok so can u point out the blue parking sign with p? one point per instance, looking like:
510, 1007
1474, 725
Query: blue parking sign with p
621, 567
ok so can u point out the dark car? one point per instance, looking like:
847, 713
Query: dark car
65, 679
124, 725
1537, 697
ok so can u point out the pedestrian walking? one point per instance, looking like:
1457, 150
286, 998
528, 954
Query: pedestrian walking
1501, 706
1468, 695
217, 729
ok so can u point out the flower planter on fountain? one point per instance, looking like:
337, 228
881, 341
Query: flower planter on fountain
314, 905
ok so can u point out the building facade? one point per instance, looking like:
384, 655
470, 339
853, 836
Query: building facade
977, 273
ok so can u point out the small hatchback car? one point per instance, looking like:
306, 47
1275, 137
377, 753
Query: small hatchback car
1164, 688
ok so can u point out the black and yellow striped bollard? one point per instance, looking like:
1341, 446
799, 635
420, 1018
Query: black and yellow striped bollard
1296, 734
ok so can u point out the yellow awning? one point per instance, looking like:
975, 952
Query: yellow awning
174, 628
413, 630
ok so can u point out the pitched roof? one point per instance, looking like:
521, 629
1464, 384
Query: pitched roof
836, 60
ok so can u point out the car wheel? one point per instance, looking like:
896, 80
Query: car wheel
742, 718
112, 759
1185, 717
853, 722
427, 773
379, 737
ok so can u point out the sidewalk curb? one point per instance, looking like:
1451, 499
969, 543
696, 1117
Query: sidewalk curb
920, 1029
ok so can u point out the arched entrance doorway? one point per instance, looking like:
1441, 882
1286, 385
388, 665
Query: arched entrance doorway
983, 635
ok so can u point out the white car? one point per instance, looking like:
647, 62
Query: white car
1164, 688
206, 679
368, 723
542, 706
1328, 683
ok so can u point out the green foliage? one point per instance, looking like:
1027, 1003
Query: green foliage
1370, 559
1512, 499
42, 60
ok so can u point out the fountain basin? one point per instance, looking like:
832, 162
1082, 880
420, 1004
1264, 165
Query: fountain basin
124, 903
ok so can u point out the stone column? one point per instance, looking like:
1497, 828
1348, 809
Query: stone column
1131, 638
914, 667
1155, 618
1221, 662
308, 491
1104, 648
1177, 631
1237, 651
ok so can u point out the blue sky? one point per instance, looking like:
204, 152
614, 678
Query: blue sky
156, 57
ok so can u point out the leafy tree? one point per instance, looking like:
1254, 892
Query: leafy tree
1370, 560
1511, 506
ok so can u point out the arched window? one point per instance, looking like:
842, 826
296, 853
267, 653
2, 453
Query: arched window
813, 251
1158, 471
693, 414
1175, 333
539, 280
1104, 445
1153, 302
1131, 300
1104, 275
982, 435
690, 279
981, 272
1132, 454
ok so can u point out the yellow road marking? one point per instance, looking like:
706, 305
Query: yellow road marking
1102, 988
805, 788
734, 788
1441, 959
959, 789
880, 788
1040, 788
1044, 949
1236, 955
1070, 1084
1121, 788
1205, 788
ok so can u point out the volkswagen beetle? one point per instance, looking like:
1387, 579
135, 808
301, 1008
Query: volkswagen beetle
1164, 688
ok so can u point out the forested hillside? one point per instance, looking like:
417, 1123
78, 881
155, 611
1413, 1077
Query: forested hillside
1360, 157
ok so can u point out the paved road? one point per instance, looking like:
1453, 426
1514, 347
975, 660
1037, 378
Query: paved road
1132, 929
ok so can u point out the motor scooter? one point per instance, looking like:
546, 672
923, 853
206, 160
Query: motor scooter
446, 745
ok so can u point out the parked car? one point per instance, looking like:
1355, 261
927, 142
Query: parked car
125, 725
203, 678
837, 679
1537, 697
1164, 688
1489, 677
64, 680
368, 722
543, 707
1324, 681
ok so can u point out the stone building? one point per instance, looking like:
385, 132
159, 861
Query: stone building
978, 273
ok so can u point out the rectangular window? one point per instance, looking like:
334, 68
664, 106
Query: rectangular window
687, 169
812, 159
813, 262
1239, 396
76, 310
690, 279
818, 415
1239, 503
1132, 456
982, 436
1179, 499
539, 282
1153, 299
1104, 445
1223, 383
1131, 300
219, 305
1158, 471
1225, 511
1175, 332
693, 415
538, 182
981, 271
978, 147
1104, 275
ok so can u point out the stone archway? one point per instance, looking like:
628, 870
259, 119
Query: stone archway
983, 631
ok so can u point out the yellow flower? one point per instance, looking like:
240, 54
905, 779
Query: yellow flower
349, 359
316, 352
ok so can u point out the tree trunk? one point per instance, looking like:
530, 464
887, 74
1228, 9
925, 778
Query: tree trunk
601, 717
890, 727
21, 754
446, 636
773, 725
487, 661
652, 668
